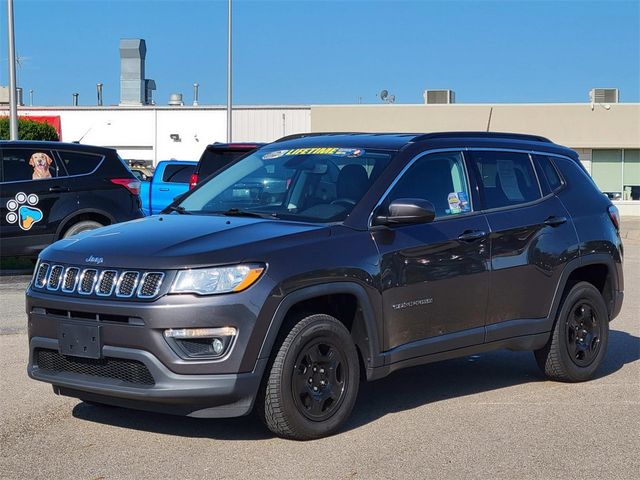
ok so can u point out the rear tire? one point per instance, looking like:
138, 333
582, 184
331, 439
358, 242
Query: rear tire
80, 227
313, 382
578, 343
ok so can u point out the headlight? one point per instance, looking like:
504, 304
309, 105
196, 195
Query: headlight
208, 281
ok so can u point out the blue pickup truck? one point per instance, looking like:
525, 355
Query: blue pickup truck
170, 179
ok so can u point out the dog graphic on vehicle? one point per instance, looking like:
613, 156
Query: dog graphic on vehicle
40, 162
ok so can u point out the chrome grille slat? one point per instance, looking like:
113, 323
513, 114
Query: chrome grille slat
55, 277
42, 275
94, 281
127, 284
106, 283
150, 284
88, 280
70, 279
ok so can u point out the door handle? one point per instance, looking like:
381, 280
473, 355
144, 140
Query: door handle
471, 235
58, 189
554, 221
164, 189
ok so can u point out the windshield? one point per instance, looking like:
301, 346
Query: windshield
320, 184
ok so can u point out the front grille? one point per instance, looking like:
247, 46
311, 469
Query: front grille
54, 277
102, 283
129, 371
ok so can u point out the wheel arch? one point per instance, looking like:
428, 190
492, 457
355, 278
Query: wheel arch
362, 325
82, 215
596, 269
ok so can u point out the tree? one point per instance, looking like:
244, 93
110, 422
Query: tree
28, 130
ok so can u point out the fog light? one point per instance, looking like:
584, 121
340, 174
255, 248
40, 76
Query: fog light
217, 345
200, 343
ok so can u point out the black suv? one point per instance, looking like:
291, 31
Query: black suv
217, 156
375, 253
52, 190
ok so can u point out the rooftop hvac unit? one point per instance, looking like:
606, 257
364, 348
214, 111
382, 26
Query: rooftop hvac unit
439, 96
604, 95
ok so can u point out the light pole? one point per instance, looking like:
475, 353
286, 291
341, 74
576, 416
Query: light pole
13, 100
229, 65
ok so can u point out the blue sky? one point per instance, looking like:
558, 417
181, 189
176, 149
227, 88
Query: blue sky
301, 52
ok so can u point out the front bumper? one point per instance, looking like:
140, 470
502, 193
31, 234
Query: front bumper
223, 395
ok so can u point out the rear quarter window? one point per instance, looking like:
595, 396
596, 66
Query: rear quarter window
548, 172
79, 163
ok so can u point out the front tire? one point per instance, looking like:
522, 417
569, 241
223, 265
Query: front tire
578, 343
313, 382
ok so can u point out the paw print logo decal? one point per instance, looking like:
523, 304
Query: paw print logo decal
23, 211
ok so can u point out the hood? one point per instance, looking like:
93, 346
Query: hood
178, 241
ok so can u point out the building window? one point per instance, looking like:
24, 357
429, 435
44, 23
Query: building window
631, 175
606, 170
617, 173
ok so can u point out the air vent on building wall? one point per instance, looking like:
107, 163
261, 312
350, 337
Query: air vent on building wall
439, 96
604, 95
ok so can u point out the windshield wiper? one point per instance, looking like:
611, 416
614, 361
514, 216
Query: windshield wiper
235, 212
179, 209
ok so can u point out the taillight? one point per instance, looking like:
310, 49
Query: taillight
614, 215
193, 181
130, 184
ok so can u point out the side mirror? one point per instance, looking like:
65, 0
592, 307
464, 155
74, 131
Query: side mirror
407, 211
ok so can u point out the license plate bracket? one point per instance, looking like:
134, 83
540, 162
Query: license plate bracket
79, 340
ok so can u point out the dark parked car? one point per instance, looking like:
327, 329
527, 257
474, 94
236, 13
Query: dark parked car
53, 190
374, 253
217, 156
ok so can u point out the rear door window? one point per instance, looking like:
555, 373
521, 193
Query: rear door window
177, 173
22, 164
439, 178
79, 163
505, 178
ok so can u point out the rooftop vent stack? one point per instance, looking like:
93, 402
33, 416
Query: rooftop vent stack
134, 88
439, 96
175, 99
149, 87
604, 95
20, 96
75, 99
196, 86
31, 97
99, 92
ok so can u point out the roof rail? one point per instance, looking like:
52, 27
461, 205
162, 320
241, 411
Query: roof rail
312, 134
511, 136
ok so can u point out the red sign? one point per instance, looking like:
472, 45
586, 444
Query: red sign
53, 120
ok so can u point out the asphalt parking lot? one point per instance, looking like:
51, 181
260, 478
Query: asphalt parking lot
487, 416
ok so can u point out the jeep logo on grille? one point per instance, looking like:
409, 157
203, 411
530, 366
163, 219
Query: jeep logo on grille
96, 260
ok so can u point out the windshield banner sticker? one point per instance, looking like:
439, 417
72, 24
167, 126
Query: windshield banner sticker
338, 152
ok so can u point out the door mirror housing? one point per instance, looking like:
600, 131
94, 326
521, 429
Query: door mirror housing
407, 211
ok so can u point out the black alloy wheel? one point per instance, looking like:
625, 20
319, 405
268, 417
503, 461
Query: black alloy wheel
319, 379
583, 334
